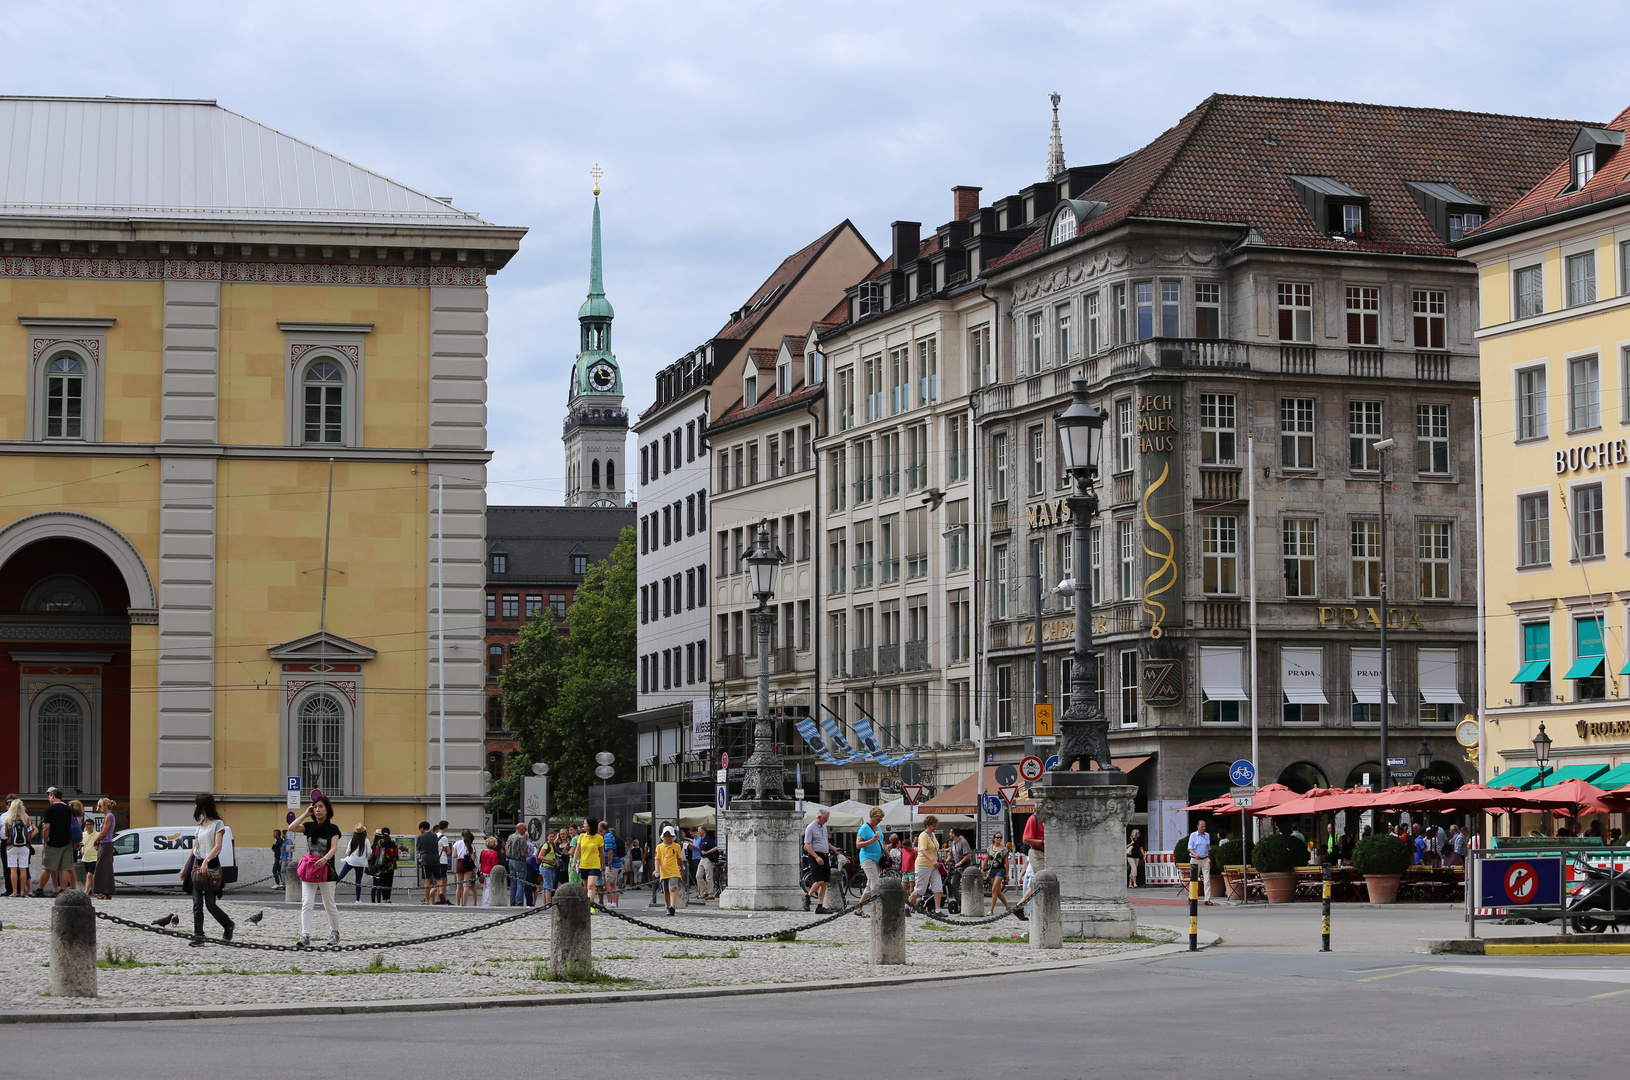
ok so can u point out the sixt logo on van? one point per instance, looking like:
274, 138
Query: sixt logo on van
173, 842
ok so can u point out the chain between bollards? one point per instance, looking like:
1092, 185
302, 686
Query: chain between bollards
1194, 906
1326, 946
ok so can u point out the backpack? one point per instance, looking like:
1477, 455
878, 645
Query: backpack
516, 847
76, 831
17, 835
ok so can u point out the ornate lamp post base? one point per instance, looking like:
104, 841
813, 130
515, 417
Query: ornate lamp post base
1086, 823
763, 838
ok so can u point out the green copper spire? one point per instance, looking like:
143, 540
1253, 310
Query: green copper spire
596, 306
595, 375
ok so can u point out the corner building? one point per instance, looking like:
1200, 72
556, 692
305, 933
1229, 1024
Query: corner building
205, 317
1555, 272
1269, 279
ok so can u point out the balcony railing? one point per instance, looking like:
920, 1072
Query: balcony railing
1125, 489
734, 665
888, 659
863, 575
1033, 391
998, 636
1219, 485
999, 398
1432, 366
998, 515
888, 568
1221, 615
861, 663
1297, 360
916, 655
784, 660
1366, 363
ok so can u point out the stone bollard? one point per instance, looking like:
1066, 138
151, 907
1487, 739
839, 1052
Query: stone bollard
1046, 912
73, 945
888, 929
973, 893
571, 944
498, 885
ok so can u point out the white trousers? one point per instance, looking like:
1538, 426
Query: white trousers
308, 896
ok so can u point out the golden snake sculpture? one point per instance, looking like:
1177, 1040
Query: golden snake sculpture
1168, 564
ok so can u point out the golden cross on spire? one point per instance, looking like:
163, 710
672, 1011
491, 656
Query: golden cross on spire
597, 172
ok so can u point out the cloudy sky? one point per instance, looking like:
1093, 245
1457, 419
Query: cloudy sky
733, 133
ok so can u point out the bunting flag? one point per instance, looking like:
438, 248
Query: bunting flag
812, 736
872, 748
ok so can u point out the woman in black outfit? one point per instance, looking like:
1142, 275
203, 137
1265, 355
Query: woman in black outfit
207, 841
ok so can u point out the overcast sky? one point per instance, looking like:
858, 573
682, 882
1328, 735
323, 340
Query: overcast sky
733, 134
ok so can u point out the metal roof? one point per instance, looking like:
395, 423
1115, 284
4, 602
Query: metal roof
1444, 193
1326, 186
67, 157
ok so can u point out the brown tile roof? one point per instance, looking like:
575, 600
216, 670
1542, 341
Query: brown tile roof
763, 358
795, 343
791, 268
1546, 199
1230, 159
769, 402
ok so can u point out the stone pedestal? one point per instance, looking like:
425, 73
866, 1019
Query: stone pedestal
571, 944
762, 842
1086, 815
973, 893
73, 945
498, 885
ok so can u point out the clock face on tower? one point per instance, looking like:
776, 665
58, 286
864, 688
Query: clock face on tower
604, 503
602, 377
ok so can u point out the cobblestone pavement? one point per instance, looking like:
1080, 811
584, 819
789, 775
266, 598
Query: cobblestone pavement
511, 959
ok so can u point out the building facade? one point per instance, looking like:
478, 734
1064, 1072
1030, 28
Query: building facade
245, 419
1555, 274
1226, 323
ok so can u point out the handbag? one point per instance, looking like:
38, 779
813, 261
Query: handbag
312, 868
206, 878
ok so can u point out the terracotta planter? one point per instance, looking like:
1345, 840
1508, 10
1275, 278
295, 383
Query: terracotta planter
1383, 888
1234, 884
1218, 888
1281, 888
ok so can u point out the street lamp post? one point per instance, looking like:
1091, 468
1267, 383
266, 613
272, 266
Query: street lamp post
314, 769
1423, 758
1542, 758
763, 774
1084, 733
1381, 448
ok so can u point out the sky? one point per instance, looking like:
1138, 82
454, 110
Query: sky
732, 134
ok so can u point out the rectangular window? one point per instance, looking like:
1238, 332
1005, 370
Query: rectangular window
837, 561
1363, 432
1124, 428
512, 606
701, 511
557, 605
916, 542
998, 583
750, 391
1296, 433
1038, 460
899, 380
916, 457
1004, 699
888, 465
1431, 308
492, 606
1066, 556
863, 471
1533, 420
1432, 559
1589, 536
1530, 289
998, 455
1582, 278
645, 464
837, 484
956, 540
1062, 323
1295, 311
1364, 551
1584, 393
956, 449
1207, 309
752, 462
1432, 439
1463, 223
1095, 543
865, 553
1095, 337
1127, 539
1171, 301
873, 370
961, 725
1535, 515
1217, 445
1535, 676
1363, 315
981, 365
928, 371
1589, 660
1129, 688
1219, 554
1144, 296
1300, 540
806, 532
773, 461
1034, 355
845, 398
690, 441
534, 606
959, 617
1120, 315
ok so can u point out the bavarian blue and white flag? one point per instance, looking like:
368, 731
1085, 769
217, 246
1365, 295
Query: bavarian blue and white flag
871, 747
812, 736
834, 737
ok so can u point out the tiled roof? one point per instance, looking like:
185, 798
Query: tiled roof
795, 343
769, 402
836, 317
539, 540
782, 279
1546, 199
1230, 159
763, 359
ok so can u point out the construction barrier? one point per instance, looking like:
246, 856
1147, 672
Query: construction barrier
1160, 868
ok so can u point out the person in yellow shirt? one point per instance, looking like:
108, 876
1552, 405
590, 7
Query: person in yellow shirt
588, 851
928, 871
670, 854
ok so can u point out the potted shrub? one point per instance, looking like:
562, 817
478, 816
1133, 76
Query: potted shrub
1276, 858
1180, 854
1226, 855
1382, 859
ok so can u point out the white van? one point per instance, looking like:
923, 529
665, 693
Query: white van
156, 857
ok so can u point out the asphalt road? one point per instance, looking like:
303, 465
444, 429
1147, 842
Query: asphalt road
1237, 1012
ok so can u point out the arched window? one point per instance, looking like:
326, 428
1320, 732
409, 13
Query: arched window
611, 474
594, 472
61, 743
324, 418
65, 397
1064, 226
321, 743
495, 659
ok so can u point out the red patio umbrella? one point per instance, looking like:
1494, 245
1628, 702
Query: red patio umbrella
1406, 797
1267, 795
1571, 797
1474, 797
1617, 800
1322, 801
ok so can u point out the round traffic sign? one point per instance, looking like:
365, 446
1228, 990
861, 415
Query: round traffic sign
1007, 775
911, 773
1052, 763
724, 761
289, 818
1242, 773
1030, 769
1520, 882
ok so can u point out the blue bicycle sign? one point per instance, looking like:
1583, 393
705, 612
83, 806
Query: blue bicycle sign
1242, 773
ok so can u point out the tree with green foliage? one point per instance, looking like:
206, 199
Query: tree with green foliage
563, 695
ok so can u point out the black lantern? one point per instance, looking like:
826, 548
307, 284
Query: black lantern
762, 560
314, 768
1542, 751
1425, 757
1081, 435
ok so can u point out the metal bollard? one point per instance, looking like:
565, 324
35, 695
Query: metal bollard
498, 885
888, 929
1194, 907
1326, 946
973, 894
571, 944
73, 945
1047, 918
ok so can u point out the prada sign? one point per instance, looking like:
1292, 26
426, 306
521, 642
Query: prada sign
1355, 618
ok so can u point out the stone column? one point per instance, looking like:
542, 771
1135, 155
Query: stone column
1085, 815
1047, 917
973, 893
888, 927
498, 884
571, 944
73, 945
762, 843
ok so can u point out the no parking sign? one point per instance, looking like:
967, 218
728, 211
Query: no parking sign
1525, 882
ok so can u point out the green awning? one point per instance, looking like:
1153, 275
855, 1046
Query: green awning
1515, 778
1532, 671
1613, 779
1584, 667
1587, 773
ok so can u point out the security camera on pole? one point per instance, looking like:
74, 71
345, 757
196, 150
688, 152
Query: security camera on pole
762, 827
1086, 811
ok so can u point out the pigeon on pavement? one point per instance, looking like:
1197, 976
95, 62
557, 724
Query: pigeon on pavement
167, 920
257, 916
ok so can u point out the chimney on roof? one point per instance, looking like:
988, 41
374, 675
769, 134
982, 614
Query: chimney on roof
965, 200
907, 242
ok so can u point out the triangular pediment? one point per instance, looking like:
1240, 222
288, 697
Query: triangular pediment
321, 647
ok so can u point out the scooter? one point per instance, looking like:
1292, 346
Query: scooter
1605, 892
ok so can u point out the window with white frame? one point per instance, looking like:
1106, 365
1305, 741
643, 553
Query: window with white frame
1129, 688
1124, 429
1217, 429
1095, 336
899, 380
1143, 293
1581, 278
959, 617
1296, 433
1432, 439
1171, 304
981, 364
1061, 330
1533, 419
1589, 523
1431, 314
1207, 309
1119, 296
1038, 462
1299, 538
1584, 393
323, 411
1432, 554
1529, 286
956, 449
999, 582
1004, 699
998, 471
844, 391
1127, 538
1363, 432
956, 538
1534, 527
1363, 315
1065, 544
1364, 554
928, 371
1295, 311
1036, 344
1219, 554
1095, 541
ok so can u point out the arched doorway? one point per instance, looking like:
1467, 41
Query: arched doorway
65, 666
1372, 769
1302, 777
1209, 782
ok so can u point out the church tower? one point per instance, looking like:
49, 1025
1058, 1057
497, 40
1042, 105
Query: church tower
596, 435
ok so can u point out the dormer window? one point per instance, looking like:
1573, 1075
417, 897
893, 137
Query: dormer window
1590, 150
1463, 223
1352, 219
1452, 212
1064, 226
1336, 208
750, 391
783, 380
1584, 167
500, 562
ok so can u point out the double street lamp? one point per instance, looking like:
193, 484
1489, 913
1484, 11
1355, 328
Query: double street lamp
763, 775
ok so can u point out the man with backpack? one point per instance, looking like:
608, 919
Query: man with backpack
516, 851
614, 864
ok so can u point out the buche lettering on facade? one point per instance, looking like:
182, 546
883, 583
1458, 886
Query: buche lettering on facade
1602, 455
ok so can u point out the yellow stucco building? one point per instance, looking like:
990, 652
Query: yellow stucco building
1555, 356
203, 320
